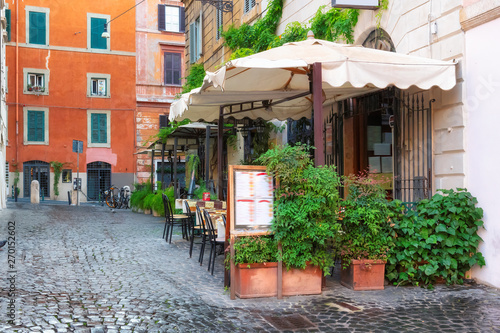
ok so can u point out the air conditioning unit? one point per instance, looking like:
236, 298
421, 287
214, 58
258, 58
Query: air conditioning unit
360, 4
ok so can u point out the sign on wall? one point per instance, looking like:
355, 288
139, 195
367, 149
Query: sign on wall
361, 4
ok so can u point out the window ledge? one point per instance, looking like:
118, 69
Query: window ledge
97, 96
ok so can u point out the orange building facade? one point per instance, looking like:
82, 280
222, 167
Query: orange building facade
160, 70
67, 81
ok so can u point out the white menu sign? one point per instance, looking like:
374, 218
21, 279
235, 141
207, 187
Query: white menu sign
253, 199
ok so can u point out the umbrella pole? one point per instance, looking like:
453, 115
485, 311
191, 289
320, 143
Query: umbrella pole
207, 155
162, 165
220, 143
317, 91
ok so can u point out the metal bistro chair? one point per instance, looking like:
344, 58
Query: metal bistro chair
214, 241
171, 219
193, 229
204, 234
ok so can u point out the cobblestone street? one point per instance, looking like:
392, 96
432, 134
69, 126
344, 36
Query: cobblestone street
87, 269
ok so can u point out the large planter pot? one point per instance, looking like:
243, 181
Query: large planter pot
155, 213
147, 211
256, 280
364, 275
302, 281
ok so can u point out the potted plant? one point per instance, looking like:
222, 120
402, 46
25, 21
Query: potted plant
366, 233
137, 197
306, 216
256, 267
30, 87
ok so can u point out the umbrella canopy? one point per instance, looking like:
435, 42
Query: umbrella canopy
283, 73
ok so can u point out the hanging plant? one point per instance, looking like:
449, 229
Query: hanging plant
57, 166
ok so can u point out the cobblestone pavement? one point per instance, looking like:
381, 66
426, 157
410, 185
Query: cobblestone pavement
87, 269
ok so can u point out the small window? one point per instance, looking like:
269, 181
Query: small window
66, 176
8, 28
98, 85
36, 125
249, 4
98, 125
195, 40
172, 63
36, 81
96, 24
37, 25
219, 24
163, 121
171, 18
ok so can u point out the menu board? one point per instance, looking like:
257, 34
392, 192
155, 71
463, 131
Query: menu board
253, 199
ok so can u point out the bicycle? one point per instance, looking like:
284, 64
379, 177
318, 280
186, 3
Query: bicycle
109, 197
124, 197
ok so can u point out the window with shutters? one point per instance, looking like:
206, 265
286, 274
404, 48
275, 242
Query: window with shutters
249, 4
98, 85
37, 25
171, 18
173, 68
36, 81
219, 24
36, 125
96, 23
98, 128
195, 40
7, 27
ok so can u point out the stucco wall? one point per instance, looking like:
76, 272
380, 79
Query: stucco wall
483, 136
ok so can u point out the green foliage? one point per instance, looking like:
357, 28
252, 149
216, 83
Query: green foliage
240, 53
437, 239
383, 6
254, 250
198, 192
195, 78
192, 163
156, 201
165, 132
333, 25
306, 206
16, 175
366, 231
57, 166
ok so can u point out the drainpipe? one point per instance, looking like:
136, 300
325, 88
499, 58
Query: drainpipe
17, 82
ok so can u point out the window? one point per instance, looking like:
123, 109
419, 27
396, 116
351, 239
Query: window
98, 129
95, 28
249, 4
36, 125
8, 27
219, 24
36, 81
98, 85
195, 40
163, 121
66, 176
171, 18
37, 25
172, 63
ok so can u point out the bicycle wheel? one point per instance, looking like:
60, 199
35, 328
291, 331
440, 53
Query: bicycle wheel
110, 200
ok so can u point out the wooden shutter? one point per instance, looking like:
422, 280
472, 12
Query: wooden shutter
36, 126
99, 128
192, 43
96, 30
182, 19
167, 62
8, 28
161, 18
176, 68
163, 121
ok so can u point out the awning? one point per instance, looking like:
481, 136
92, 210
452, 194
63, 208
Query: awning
282, 73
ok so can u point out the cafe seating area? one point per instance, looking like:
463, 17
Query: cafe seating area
202, 224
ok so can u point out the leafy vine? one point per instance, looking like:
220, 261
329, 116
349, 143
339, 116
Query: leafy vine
57, 175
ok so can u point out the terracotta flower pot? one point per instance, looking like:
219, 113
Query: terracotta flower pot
364, 275
256, 280
302, 281
155, 213
147, 211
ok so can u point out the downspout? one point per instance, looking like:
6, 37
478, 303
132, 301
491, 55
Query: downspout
17, 82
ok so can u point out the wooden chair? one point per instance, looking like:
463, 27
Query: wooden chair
172, 219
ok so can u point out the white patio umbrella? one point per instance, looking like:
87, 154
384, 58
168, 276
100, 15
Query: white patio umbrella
284, 72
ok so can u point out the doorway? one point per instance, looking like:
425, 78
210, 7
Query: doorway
98, 179
36, 170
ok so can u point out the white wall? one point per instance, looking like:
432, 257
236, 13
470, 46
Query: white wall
483, 137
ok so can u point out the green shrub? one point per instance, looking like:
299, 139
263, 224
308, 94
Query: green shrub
148, 201
254, 250
437, 239
137, 197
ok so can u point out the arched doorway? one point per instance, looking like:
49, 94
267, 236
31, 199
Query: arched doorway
36, 170
98, 178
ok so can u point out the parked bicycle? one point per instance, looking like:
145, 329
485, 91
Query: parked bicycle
119, 199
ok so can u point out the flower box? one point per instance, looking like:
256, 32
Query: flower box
306, 281
256, 280
364, 275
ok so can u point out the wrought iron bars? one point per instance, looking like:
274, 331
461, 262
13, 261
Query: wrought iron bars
223, 5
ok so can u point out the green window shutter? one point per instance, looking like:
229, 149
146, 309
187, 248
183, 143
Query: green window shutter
7, 17
99, 128
37, 28
36, 126
96, 30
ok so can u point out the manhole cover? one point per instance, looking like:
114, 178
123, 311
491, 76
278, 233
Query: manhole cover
289, 322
